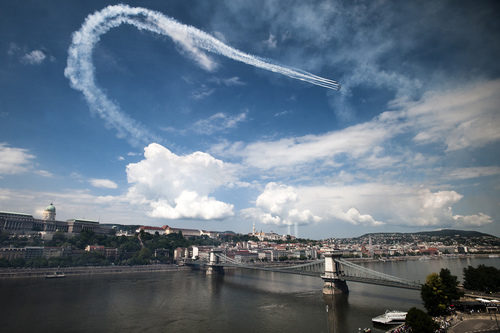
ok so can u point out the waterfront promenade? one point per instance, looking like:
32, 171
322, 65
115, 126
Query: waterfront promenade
8, 273
480, 322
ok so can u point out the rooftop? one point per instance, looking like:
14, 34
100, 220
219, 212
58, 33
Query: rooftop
14, 213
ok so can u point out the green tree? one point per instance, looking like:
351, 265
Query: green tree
144, 254
57, 239
439, 291
450, 285
483, 278
420, 322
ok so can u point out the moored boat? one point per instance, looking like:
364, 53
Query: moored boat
390, 318
55, 275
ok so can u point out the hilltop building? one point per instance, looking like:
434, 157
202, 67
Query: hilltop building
271, 236
167, 230
25, 224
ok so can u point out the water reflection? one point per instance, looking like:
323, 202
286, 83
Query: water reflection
214, 285
337, 307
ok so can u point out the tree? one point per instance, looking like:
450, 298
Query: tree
439, 291
57, 239
420, 322
483, 278
450, 285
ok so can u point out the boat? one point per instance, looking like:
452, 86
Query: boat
390, 318
55, 275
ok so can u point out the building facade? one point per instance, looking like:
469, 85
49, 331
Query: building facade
25, 224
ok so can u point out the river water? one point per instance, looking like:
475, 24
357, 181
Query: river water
189, 301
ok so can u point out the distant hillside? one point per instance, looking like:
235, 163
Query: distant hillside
445, 236
434, 233
452, 232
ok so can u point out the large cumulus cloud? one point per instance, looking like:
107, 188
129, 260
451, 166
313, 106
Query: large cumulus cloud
370, 204
177, 187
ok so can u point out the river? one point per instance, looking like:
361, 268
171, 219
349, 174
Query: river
189, 301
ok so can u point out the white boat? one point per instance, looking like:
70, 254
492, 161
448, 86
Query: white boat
55, 275
390, 318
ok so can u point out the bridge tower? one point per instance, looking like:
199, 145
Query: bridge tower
214, 263
333, 277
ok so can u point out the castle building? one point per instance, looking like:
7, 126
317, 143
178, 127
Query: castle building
24, 224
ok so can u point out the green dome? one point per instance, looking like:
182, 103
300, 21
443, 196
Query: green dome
50, 208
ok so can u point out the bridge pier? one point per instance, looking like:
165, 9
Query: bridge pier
334, 282
214, 263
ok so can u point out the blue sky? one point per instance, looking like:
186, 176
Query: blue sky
218, 115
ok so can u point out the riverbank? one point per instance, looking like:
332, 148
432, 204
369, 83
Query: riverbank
11, 273
436, 257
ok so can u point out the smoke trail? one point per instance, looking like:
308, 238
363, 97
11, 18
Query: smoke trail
80, 69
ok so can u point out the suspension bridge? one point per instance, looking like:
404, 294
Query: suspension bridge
333, 269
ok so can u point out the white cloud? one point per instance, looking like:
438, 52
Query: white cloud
203, 92
355, 141
229, 82
190, 205
355, 217
463, 118
279, 204
44, 173
370, 204
473, 172
103, 183
473, 220
34, 57
77, 176
468, 117
178, 187
218, 122
271, 42
282, 113
14, 160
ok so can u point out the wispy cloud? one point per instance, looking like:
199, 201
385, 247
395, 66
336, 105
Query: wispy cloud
218, 122
473, 172
467, 117
27, 56
14, 160
282, 113
229, 82
44, 173
80, 70
354, 141
271, 42
103, 183
203, 92
459, 119
34, 57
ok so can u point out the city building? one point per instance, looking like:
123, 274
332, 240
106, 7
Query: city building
189, 232
150, 230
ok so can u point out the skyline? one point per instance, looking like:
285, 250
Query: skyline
170, 129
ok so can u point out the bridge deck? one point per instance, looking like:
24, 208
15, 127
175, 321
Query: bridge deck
351, 278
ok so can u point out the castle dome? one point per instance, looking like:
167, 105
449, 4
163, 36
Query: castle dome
50, 208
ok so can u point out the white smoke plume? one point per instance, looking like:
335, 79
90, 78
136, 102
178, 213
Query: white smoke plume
80, 69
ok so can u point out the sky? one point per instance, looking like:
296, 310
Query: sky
312, 118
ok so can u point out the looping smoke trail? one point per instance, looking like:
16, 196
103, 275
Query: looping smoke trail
80, 69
